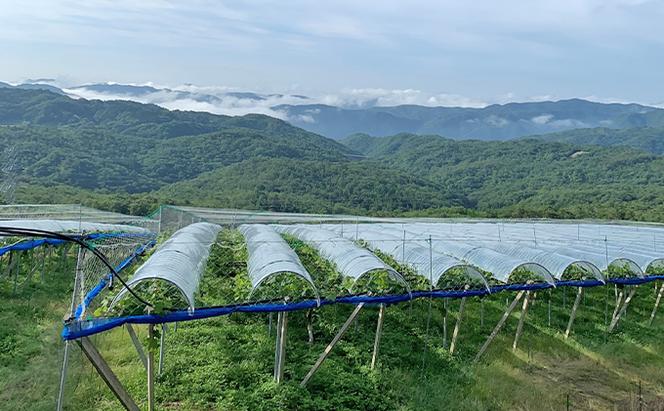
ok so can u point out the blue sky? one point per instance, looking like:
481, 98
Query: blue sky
431, 52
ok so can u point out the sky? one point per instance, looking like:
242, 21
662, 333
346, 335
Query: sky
438, 52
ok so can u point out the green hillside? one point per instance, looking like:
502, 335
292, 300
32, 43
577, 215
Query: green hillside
650, 139
226, 363
305, 185
530, 177
99, 152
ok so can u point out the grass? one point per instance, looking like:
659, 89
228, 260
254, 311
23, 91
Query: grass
226, 363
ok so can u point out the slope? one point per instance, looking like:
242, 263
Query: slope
530, 177
311, 186
650, 139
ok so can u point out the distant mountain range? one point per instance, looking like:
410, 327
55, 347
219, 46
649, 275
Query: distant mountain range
494, 122
128, 157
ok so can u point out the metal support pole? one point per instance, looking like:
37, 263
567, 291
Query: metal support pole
17, 271
549, 308
572, 315
310, 326
107, 374
522, 319
379, 332
162, 348
499, 325
481, 312
43, 263
331, 345
72, 309
150, 370
445, 323
657, 301
615, 320
455, 333
137, 345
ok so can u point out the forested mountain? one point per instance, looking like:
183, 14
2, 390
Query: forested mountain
129, 157
37, 107
494, 122
650, 139
530, 177
305, 185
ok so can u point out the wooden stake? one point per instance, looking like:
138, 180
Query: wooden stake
499, 325
107, 374
572, 315
137, 345
455, 333
657, 301
522, 319
379, 332
331, 345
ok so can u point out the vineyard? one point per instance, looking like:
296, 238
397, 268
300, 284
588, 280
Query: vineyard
195, 308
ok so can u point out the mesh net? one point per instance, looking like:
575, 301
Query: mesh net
115, 235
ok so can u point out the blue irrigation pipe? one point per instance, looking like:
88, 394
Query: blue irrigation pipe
105, 280
83, 328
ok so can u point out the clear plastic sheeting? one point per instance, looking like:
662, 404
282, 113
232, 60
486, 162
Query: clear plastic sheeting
77, 227
180, 260
555, 263
270, 255
427, 263
553, 246
350, 260
502, 266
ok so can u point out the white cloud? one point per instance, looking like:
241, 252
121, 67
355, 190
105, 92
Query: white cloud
543, 119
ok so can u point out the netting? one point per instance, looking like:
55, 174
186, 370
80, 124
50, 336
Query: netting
121, 238
73, 213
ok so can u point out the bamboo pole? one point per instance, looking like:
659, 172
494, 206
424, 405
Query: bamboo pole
455, 333
615, 320
499, 325
331, 345
573, 313
277, 349
379, 332
657, 301
282, 346
522, 319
